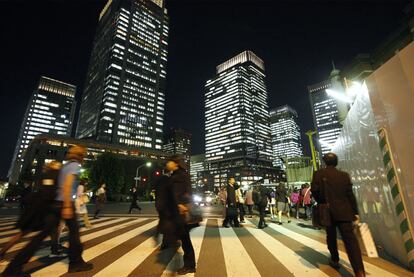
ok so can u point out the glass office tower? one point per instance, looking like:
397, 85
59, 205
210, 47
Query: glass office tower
124, 96
237, 130
328, 112
286, 139
50, 111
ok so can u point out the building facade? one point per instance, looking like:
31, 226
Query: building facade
178, 142
50, 110
124, 96
329, 110
197, 170
286, 137
237, 126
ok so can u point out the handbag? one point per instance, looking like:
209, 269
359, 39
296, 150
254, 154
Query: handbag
194, 215
321, 214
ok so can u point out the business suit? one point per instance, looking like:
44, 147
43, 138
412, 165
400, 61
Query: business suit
343, 208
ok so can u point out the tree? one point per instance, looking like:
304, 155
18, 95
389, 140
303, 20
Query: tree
108, 169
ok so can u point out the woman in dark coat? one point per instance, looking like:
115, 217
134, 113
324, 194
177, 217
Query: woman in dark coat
181, 194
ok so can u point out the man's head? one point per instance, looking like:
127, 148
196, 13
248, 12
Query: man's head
330, 159
175, 162
232, 181
134, 189
103, 185
77, 153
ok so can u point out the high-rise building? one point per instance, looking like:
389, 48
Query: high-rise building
178, 142
197, 169
237, 127
50, 111
124, 96
286, 138
329, 109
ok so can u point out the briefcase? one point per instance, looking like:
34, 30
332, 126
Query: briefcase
365, 240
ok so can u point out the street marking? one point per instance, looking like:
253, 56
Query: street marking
322, 248
297, 265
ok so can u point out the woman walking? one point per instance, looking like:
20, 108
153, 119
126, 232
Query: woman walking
82, 199
249, 202
282, 203
180, 188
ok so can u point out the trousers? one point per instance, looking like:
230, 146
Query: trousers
52, 220
186, 244
350, 241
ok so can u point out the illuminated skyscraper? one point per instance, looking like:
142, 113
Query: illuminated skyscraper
50, 111
124, 96
286, 139
237, 128
178, 142
328, 112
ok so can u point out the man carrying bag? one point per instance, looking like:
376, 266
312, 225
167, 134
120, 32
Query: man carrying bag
337, 208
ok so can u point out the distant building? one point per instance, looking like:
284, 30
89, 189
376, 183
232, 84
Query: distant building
50, 111
286, 138
328, 110
197, 170
237, 126
46, 148
178, 142
124, 96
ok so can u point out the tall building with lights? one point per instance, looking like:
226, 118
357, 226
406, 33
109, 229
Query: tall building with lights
237, 126
328, 110
124, 96
197, 169
286, 138
50, 110
178, 142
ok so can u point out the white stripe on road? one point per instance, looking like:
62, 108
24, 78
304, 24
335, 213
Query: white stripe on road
297, 265
322, 248
238, 261
61, 267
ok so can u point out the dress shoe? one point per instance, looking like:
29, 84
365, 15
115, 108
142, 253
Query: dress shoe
185, 270
79, 267
334, 264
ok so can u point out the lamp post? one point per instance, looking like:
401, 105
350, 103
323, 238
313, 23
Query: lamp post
312, 148
147, 164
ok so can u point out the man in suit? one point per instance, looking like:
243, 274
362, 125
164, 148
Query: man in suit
343, 209
231, 204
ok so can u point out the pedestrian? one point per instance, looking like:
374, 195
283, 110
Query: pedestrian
332, 186
82, 199
24, 197
249, 201
240, 204
282, 200
306, 201
165, 206
231, 204
260, 198
272, 204
181, 193
134, 199
39, 205
294, 200
222, 197
64, 208
100, 200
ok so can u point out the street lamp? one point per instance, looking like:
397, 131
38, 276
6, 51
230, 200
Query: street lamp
147, 164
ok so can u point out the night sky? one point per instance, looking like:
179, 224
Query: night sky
296, 39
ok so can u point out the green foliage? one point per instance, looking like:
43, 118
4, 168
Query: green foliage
108, 169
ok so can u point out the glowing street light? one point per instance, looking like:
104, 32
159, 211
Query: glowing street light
147, 164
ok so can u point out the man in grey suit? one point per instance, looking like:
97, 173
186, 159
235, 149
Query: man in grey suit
343, 210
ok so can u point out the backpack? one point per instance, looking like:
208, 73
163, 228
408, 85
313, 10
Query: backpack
294, 197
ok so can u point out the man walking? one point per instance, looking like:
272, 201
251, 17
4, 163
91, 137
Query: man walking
332, 186
260, 196
231, 204
64, 208
134, 199
100, 200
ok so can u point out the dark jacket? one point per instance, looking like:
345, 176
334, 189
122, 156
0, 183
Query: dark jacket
231, 195
340, 197
164, 200
260, 196
281, 194
181, 187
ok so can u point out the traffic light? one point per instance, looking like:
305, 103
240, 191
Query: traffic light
157, 173
144, 179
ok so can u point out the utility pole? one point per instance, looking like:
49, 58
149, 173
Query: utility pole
312, 147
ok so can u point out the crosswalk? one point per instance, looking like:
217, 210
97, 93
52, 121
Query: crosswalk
126, 246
